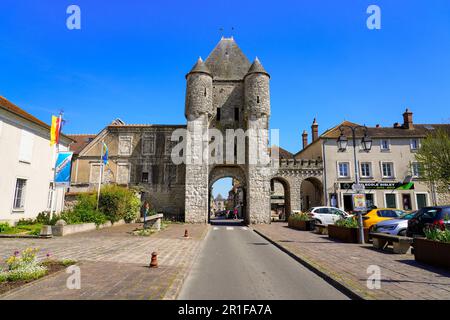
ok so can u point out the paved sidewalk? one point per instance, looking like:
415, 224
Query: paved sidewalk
401, 276
113, 263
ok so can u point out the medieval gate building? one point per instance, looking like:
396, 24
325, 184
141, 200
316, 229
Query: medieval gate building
223, 92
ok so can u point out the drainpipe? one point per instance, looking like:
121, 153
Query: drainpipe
325, 193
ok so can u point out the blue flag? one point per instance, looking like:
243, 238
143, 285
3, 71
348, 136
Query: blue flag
105, 154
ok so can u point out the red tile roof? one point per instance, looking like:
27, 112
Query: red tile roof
81, 141
282, 153
11, 107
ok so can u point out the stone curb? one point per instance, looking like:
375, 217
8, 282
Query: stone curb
174, 290
344, 288
23, 236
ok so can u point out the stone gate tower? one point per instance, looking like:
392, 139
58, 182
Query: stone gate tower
225, 92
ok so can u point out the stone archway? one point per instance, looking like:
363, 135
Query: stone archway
236, 172
275, 203
311, 193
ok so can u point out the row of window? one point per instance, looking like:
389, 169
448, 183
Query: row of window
20, 193
385, 145
154, 175
391, 200
148, 144
386, 169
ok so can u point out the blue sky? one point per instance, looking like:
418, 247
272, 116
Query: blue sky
130, 57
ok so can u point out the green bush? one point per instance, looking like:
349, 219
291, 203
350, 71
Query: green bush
299, 217
119, 203
84, 211
25, 222
347, 223
43, 217
436, 234
4, 227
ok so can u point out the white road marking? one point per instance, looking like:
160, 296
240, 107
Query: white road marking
244, 228
216, 228
230, 228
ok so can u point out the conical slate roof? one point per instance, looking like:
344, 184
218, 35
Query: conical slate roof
199, 66
227, 61
219, 197
257, 67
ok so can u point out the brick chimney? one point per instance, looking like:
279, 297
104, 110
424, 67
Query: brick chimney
305, 139
408, 119
315, 130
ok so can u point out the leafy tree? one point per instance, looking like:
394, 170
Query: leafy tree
434, 160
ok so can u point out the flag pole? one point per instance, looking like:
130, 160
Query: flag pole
101, 173
56, 152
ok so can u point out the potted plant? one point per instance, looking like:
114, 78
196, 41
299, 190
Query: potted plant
346, 230
300, 221
434, 249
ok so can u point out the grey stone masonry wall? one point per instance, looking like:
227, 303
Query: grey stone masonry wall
198, 95
257, 94
196, 199
259, 174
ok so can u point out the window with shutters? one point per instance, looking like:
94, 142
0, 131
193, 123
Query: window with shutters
123, 173
387, 169
125, 145
148, 145
168, 145
366, 170
94, 175
26, 147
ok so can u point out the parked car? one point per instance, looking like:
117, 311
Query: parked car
395, 227
438, 216
374, 216
327, 215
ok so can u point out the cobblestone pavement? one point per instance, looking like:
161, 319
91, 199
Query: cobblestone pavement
401, 276
113, 263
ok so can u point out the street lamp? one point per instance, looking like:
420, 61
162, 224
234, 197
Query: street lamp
366, 143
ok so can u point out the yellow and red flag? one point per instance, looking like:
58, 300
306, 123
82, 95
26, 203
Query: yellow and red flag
55, 130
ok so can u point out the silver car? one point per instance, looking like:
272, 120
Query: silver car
394, 226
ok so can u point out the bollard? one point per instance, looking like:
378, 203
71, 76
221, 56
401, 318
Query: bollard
186, 234
154, 262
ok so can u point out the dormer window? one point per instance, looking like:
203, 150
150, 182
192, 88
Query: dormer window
385, 145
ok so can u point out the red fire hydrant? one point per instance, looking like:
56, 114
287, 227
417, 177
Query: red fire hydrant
154, 262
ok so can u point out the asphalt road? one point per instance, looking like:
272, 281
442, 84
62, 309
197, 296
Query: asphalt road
235, 263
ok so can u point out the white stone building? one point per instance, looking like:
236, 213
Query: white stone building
389, 171
26, 165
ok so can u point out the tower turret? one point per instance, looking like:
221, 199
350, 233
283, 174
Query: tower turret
199, 91
257, 93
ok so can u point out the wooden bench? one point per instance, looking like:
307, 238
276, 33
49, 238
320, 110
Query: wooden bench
320, 228
400, 244
153, 221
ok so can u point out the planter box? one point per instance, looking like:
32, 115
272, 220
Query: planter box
348, 235
64, 230
432, 252
301, 225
